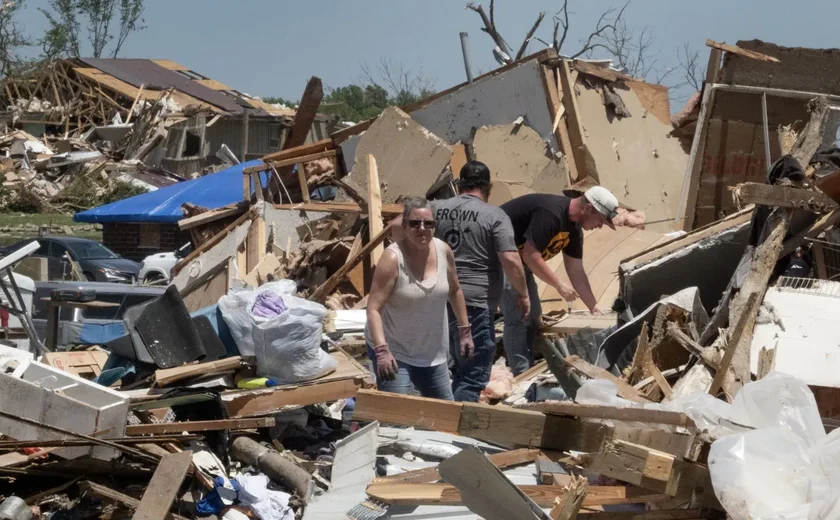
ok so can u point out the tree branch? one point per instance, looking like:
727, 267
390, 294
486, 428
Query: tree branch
489, 26
600, 29
558, 44
530, 35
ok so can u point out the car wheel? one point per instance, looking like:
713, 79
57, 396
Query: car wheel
90, 277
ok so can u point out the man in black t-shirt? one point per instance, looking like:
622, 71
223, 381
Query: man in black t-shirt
545, 225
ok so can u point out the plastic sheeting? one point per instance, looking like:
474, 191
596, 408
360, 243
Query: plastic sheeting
164, 205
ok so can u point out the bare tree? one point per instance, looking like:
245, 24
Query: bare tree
691, 66
630, 50
64, 18
405, 85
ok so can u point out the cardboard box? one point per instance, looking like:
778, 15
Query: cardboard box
86, 364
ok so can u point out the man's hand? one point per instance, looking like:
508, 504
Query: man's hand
467, 345
386, 365
523, 303
566, 292
596, 311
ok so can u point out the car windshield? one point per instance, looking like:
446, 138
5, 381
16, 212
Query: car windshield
91, 251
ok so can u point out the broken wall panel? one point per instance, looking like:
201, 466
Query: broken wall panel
634, 157
707, 263
799, 68
520, 162
494, 100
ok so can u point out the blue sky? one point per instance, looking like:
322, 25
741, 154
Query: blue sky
271, 47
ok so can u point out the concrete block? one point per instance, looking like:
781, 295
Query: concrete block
50, 396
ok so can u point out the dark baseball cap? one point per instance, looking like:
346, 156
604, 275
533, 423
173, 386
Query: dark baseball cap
474, 174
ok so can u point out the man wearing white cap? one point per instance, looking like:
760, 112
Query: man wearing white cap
545, 225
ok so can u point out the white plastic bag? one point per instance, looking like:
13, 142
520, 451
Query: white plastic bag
236, 306
287, 346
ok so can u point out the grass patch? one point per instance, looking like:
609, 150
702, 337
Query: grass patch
39, 219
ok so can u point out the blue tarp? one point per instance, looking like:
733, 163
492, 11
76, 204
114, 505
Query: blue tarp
164, 205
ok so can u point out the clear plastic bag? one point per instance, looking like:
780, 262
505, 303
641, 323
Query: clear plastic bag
287, 346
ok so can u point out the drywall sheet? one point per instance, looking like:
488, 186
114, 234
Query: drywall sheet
603, 250
409, 158
634, 156
284, 224
803, 330
520, 162
495, 100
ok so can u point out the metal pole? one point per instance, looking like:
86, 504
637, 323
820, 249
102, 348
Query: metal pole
465, 38
766, 126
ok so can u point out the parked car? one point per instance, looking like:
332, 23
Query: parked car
98, 263
155, 269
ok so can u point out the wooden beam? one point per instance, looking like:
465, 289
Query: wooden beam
420, 412
557, 111
706, 354
388, 210
210, 216
819, 260
249, 403
304, 185
614, 413
823, 223
375, 225
695, 160
741, 52
782, 197
306, 111
255, 244
748, 302
713, 67
543, 496
502, 460
164, 486
115, 496
324, 290
624, 390
285, 163
299, 151
576, 135
654, 470
661, 382
167, 376
200, 426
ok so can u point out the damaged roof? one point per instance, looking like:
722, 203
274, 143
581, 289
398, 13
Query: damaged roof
158, 75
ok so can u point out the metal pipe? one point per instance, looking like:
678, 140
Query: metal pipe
465, 38
766, 127
772, 91
27, 319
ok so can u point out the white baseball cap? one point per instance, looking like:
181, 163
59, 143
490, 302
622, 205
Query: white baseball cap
604, 202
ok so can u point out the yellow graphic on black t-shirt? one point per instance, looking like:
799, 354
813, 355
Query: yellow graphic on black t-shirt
555, 245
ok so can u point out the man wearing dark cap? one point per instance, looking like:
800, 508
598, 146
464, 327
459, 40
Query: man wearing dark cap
481, 237
545, 225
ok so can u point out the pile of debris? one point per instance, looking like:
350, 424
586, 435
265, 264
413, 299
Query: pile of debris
242, 390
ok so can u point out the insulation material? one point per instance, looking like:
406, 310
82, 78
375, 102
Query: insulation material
520, 162
603, 250
635, 157
409, 158
803, 330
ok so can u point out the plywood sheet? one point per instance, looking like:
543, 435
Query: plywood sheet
520, 162
209, 292
409, 158
603, 250
213, 84
634, 156
171, 65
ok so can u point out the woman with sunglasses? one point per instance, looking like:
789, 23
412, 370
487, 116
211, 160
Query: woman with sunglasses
407, 327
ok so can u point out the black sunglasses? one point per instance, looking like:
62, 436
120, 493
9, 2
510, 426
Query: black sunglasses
415, 224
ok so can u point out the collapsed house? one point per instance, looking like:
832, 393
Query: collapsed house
250, 366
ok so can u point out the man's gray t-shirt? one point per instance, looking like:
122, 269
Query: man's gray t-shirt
476, 232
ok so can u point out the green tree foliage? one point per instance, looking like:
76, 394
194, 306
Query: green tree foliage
12, 38
67, 17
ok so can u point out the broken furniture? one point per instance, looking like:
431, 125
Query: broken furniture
55, 307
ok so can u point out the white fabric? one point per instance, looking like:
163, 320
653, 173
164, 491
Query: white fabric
414, 317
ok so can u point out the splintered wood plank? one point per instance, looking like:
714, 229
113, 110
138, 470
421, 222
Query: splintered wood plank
388, 210
248, 403
165, 484
420, 412
783, 197
543, 496
375, 225
199, 426
741, 52
654, 470
327, 287
624, 390
567, 507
